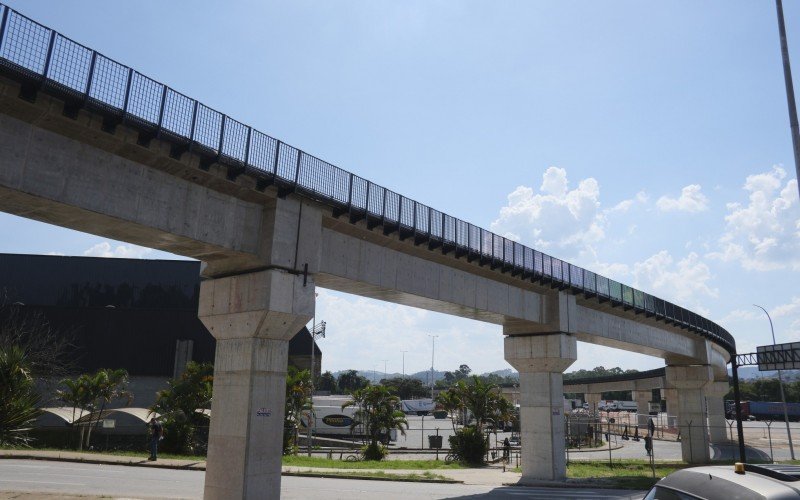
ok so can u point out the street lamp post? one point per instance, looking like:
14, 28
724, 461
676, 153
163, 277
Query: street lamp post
317, 330
787, 76
780, 383
433, 351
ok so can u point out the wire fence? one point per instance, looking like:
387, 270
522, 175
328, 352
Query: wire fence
43, 59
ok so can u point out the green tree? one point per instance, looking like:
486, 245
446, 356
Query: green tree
377, 411
406, 388
298, 401
350, 381
78, 393
107, 385
327, 382
18, 397
178, 405
487, 408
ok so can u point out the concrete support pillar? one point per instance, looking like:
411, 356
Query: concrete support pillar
671, 397
541, 361
253, 315
690, 382
642, 399
717, 425
593, 399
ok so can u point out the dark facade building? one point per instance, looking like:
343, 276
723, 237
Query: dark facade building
140, 315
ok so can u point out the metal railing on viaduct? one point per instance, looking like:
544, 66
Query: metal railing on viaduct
44, 60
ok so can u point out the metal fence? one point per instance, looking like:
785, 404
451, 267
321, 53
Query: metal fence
42, 59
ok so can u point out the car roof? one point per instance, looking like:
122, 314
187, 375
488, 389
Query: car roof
765, 482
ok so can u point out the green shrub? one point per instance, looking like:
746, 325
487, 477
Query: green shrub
374, 451
469, 444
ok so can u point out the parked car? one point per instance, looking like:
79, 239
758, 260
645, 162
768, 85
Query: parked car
742, 481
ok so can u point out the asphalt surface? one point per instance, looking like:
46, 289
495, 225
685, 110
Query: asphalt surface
28, 479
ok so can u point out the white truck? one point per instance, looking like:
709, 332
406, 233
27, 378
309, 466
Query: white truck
417, 406
630, 406
334, 421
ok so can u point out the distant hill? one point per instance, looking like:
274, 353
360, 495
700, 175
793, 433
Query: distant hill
751, 372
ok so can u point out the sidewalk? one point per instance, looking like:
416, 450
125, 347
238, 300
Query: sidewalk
492, 475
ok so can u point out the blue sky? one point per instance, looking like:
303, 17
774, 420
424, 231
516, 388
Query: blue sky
646, 141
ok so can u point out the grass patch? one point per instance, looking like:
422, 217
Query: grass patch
427, 476
304, 461
632, 474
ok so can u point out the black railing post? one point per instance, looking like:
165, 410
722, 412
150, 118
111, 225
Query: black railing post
738, 406
127, 92
278, 155
3, 23
88, 87
297, 168
194, 121
247, 147
349, 193
221, 136
49, 57
161, 107
400, 211
366, 203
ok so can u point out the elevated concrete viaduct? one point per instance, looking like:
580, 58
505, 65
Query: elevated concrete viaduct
271, 222
641, 386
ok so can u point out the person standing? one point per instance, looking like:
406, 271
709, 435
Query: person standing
156, 433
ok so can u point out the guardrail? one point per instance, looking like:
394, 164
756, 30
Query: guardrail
42, 59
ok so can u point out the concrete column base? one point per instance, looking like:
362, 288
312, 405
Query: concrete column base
717, 424
690, 382
642, 399
246, 435
541, 360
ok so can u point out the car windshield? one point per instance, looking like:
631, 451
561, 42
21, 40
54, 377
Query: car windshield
662, 493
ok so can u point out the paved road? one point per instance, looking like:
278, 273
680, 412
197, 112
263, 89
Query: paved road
37, 476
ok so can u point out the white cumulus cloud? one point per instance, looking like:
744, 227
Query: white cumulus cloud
764, 233
680, 282
104, 249
691, 200
557, 216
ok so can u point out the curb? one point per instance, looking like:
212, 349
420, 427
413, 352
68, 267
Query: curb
370, 478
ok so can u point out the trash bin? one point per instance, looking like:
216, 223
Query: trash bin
435, 442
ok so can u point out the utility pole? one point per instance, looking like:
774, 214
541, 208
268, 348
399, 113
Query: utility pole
780, 383
433, 351
404, 363
787, 77
384, 368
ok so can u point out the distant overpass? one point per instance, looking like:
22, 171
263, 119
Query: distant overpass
90, 144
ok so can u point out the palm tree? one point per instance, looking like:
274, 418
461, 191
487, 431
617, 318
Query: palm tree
298, 399
451, 403
18, 396
78, 394
105, 386
377, 411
